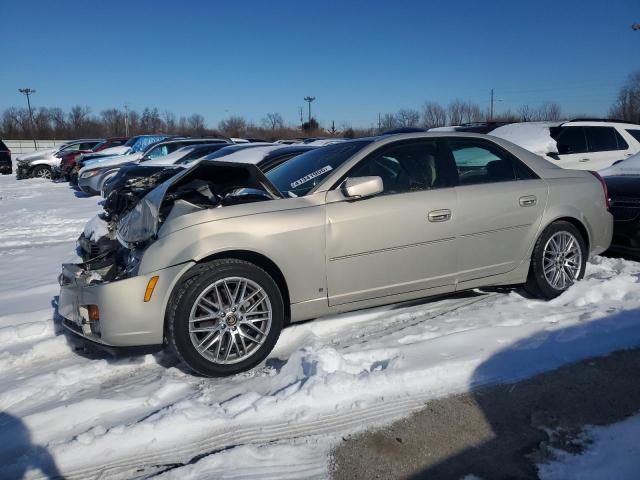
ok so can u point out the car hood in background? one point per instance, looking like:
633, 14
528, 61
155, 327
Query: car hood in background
110, 161
37, 155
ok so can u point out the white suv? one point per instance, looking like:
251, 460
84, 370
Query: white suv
592, 144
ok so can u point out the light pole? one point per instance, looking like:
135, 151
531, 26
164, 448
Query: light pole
27, 92
309, 100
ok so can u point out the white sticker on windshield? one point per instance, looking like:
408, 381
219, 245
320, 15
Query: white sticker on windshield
311, 176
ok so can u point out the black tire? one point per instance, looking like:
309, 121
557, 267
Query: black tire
187, 292
537, 283
42, 171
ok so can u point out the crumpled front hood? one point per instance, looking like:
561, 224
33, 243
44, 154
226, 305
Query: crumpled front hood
40, 154
143, 221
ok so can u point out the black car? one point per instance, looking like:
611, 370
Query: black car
5, 159
624, 201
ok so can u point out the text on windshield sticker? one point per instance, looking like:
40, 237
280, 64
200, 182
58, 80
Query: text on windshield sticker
311, 176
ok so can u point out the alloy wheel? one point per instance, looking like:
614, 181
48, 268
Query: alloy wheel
562, 260
230, 320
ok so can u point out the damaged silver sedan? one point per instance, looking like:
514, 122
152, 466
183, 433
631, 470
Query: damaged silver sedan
216, 260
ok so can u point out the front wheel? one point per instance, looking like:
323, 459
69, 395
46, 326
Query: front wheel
559, 260
42, 171
225, 317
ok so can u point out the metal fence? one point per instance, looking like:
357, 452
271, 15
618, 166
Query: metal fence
18, 147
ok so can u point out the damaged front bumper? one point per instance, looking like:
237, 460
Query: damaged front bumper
115, 314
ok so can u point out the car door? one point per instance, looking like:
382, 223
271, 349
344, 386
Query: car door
401, 240
500, 207
573, 151
605, 147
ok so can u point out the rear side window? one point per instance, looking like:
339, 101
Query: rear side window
571, 140
480, 162
635, 134
602, 139
3, 147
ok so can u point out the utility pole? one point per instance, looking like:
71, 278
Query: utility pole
379, 122
491, 110
126, 120
300, 110
27, 92
309, 100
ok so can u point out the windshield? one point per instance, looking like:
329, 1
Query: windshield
299, 175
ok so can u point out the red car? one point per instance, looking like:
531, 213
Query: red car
68, 160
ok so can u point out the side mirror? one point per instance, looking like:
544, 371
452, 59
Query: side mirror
360, 187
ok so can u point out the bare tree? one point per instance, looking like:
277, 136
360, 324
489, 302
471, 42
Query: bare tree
408, 117
627, 105
433, 115
196, 124
234, 126
78, 118
273, 121
169, 121
525, 114
455, 112
388, 121
113, 121
550, 111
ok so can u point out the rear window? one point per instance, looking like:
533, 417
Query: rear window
635, 134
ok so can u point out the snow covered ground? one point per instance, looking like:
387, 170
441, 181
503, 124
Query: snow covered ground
611, 452
92, 416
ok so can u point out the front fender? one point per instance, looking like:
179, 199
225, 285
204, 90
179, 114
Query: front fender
294, 240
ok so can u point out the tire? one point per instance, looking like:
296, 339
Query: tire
42, 171
567, 268
224, 330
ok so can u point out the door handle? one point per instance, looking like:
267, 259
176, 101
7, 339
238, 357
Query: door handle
584, 160
439, 215
528, 201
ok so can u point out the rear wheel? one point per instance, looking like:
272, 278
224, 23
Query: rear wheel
225, 317
558, 261
42, 171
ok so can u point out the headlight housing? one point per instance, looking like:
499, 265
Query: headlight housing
139, 225
89, 173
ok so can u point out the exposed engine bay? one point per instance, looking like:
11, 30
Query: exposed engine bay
112, 243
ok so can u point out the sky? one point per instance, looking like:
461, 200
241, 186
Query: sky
358, 58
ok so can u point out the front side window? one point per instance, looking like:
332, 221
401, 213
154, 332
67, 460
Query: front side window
403, 168
601, 139
478, 162
571, 140
299, 175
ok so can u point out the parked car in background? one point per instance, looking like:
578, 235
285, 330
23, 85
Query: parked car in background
592, 144
92, 176
6, 167
68, 159
135, 145
221, 256
41, 164
623, 184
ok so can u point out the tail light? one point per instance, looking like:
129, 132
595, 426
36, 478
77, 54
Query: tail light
604, 188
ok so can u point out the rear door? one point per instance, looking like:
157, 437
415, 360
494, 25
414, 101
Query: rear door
606, 146
500, 207
401, 240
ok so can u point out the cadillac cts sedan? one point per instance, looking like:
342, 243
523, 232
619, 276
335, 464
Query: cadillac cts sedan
216, 260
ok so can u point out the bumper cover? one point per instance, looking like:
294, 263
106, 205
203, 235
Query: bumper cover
125, 320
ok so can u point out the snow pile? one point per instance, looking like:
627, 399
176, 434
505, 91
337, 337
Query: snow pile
142, 416
96, 228
532, 136
613, 452
628, 166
